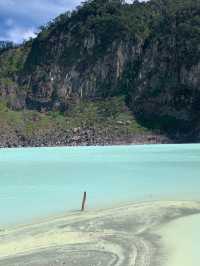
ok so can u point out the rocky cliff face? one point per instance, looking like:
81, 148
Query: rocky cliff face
167, 93
58, 84
55, 75
147, 52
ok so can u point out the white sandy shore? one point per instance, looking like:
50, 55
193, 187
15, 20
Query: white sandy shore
138, 234
181, 239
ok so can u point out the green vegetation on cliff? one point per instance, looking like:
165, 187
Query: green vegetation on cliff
147, 54
99, 122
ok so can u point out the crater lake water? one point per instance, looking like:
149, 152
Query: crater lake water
38, 182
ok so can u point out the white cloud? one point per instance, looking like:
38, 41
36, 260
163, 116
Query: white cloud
17, 35
36, 8
19, 19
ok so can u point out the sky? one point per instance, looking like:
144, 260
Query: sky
20, 19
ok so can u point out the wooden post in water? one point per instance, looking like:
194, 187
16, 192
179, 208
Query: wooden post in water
83, 202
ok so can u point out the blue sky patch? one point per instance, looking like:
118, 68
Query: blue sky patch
20, 19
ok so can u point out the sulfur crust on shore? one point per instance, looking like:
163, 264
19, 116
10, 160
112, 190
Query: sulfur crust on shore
122, 236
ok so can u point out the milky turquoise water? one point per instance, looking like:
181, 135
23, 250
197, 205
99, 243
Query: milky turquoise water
37, 182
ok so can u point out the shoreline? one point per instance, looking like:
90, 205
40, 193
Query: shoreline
97, 145
101, 146
85, 138
122, 236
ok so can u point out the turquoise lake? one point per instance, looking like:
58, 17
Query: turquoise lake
38, 182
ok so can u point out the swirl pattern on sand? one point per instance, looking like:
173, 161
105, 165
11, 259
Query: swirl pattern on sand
122, 236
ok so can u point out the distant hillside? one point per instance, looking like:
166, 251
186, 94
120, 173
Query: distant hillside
120, 72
